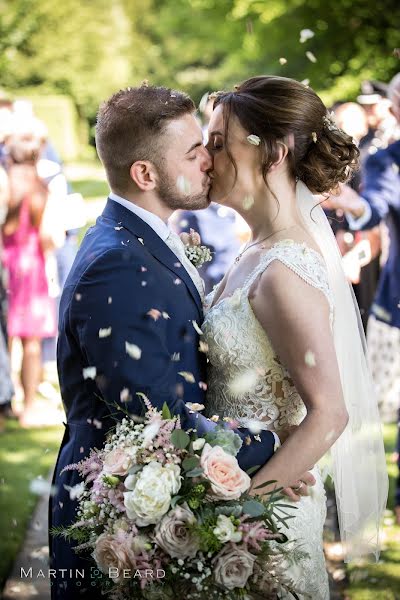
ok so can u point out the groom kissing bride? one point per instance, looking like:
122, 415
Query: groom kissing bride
132, 308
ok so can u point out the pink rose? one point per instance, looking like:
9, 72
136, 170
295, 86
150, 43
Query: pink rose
117, 462
114, 551
228, 481
233, 566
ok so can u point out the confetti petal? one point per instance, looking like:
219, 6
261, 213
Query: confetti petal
183, 185
154, 313
306, 34
188, 377
197, 328
282, 61
253, 139
243, 383
133, 350
124, 395
309, 359
106, 332
248, 202
89, 373
311, 57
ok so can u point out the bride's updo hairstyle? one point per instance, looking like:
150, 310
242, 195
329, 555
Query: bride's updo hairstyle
278, 109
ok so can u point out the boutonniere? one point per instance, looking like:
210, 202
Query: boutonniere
195, 252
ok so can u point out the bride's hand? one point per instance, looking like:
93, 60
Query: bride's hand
295, 491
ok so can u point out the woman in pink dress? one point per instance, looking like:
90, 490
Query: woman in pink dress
31, 313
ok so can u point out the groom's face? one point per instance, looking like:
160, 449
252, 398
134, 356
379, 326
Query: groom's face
184, 182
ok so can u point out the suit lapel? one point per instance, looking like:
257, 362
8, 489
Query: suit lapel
153, 243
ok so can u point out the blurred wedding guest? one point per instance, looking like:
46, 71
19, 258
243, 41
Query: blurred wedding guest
6, 387
31, 314
361, 249
380, 200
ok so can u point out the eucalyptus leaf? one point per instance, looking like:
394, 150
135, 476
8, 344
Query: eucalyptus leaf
258, 487
180, 439
175, 500
253, 470
195, 472
253, 508
190, 463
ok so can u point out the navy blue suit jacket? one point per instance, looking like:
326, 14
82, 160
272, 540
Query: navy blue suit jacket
381, 189
123, 270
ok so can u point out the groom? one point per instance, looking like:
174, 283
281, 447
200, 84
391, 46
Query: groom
132, 304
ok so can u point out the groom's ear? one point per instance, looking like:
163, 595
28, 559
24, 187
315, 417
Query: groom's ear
144, 175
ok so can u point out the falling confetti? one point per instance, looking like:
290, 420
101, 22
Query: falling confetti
177, 281
283, 61
133, 350
184, 223
248, 202
124, 395
41, 487
188, 377
314, 137
141, 241
154, 313
78, 297
75, 491
106, 332
306, 34
203, 386
176, 357
203, 347
253, 139
109, 299
243, 383
144, 283
311, 57
98, 424
197, 328
306, 82
309, 359
118, 228
183, 185
165, 315
143, 269
89, 373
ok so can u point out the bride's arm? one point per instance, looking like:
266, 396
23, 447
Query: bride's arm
295, 316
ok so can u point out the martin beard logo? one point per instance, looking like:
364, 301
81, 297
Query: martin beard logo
80, 574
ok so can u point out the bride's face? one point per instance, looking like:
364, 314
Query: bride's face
226, 187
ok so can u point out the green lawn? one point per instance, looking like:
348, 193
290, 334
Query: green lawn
91, 189
381, 581
24, 455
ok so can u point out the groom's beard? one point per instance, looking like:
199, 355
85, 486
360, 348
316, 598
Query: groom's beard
172, 197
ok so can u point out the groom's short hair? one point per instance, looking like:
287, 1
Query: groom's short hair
130, 127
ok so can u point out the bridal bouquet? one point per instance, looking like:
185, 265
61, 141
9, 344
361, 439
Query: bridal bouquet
167, 514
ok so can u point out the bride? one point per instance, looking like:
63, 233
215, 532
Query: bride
285, 347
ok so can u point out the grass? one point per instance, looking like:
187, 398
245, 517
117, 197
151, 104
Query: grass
381, 581
24, 455
91, 189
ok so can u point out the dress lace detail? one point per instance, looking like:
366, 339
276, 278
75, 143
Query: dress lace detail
247, 382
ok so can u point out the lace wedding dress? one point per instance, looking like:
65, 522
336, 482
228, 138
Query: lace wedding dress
247, 382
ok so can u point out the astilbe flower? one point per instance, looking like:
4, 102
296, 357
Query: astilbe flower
255, 533
88, 468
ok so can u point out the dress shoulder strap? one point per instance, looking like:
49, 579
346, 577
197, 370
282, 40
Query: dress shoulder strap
306, 262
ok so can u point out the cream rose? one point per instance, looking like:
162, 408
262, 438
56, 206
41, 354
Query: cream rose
151, 493
113, 551
225, 530
228, 481
117, 462
233, 567
173, 533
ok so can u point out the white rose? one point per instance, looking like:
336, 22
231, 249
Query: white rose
225, 530
151, 493
199, 443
